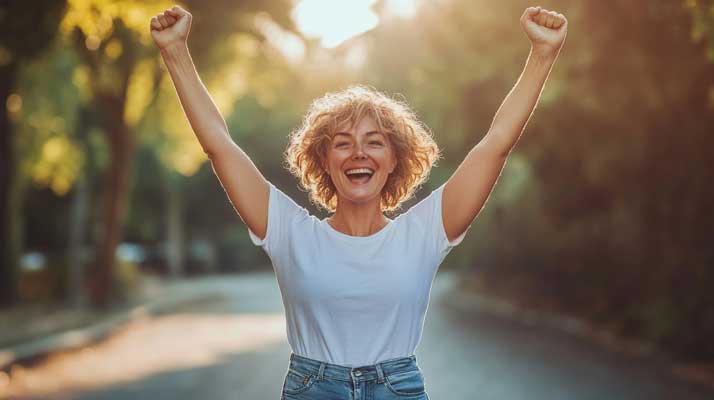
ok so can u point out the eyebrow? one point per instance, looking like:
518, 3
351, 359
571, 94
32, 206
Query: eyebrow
368, 133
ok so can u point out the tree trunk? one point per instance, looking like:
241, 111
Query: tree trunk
175, 227
77, 233
79, 216
103, 288
10, 242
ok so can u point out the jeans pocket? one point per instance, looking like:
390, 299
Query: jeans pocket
406, 383
296, 382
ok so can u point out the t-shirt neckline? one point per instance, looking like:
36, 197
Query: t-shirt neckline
380, 232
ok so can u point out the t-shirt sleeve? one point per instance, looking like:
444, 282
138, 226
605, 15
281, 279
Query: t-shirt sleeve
282, 212
428, 210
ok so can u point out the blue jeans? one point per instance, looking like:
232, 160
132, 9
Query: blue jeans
395, 379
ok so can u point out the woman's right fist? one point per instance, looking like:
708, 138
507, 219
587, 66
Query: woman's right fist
170, 27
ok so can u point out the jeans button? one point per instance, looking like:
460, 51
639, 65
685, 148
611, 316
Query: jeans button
358, 373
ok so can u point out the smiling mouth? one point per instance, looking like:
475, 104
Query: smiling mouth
359, 179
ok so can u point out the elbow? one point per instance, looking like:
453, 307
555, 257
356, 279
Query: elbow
217, 145
495, 146
207, 150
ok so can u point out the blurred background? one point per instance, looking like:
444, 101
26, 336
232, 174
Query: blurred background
110, 213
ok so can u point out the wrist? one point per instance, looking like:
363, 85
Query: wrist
544, 53
174, 51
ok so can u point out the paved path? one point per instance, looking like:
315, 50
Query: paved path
234, 347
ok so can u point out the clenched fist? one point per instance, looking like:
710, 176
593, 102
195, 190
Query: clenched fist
171, 27
545, 29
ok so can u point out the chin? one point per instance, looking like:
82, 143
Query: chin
361, 193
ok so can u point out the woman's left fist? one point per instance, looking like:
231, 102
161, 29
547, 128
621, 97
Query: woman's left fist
545, 29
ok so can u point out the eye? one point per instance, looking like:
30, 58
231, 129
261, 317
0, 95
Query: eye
341, 144
376, 142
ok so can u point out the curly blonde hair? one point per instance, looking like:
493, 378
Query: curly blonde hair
414, 148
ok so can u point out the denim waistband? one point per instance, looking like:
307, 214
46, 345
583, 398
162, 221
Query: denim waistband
304, 366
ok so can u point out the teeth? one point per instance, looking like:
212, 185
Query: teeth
359, 171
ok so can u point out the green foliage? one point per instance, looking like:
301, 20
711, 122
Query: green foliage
621, 164
603, 209
45, 128
27, 28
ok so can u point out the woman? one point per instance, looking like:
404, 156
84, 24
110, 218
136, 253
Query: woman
356, 285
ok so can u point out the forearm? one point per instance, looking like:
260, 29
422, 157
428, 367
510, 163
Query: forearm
202, 113
517, 108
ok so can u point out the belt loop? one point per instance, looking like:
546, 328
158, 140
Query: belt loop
380, 373
320, 374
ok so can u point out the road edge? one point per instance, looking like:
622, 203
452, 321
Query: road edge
469, 301
79, 337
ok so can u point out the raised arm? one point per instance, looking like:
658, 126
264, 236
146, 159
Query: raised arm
468, 188
245, 186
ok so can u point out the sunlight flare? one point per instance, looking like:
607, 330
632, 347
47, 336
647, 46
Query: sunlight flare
333, 22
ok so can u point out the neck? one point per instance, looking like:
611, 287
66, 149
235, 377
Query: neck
358, 221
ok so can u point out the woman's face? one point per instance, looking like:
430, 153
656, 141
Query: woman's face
362, 146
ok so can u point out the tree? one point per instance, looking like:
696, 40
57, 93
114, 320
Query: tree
26, 29
112, 38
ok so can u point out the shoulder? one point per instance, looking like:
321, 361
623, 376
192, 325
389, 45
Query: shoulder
285, 205
422, 214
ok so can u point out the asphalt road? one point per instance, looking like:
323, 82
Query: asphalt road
234, 347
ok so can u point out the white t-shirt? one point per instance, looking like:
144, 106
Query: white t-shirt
354, 300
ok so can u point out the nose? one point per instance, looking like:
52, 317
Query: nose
358, 153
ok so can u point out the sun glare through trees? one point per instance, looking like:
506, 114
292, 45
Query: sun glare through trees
335, 22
